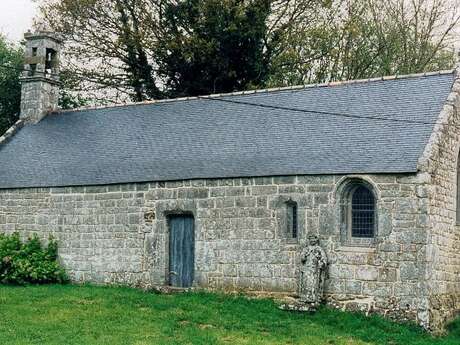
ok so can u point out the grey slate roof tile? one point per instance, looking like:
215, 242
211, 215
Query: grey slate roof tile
215, 138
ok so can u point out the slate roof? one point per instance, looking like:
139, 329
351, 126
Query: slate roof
286, 132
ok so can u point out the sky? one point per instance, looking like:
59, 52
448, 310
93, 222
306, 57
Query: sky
16, 17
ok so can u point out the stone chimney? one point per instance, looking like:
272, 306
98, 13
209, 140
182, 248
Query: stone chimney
40, 79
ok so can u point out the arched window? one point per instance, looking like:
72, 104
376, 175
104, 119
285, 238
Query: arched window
362, 220
359, 212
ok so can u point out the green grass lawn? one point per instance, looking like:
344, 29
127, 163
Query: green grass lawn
65, 315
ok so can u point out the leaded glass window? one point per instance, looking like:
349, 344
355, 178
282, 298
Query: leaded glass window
362, 220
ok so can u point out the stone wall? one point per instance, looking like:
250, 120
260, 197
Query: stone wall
119, 234
39, 96
440, 164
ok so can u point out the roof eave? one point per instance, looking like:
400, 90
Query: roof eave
443, 120
11, 132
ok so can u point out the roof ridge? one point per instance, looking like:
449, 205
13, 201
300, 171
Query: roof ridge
266, 90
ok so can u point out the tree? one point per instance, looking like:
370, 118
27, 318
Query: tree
355, 39
213, 46
210, 46
416, 35
148, 49
123, 48
109, 45
67, 98
11, 63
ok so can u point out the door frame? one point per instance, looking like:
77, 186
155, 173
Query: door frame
168, 215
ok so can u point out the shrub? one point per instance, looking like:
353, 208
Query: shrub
29, 262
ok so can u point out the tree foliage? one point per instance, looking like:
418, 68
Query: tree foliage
213, 46
148, 49
109, 45
355, 39
11, 62
145, 49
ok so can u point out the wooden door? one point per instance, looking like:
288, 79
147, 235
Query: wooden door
181, 251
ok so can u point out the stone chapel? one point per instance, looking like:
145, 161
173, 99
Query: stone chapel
221, 191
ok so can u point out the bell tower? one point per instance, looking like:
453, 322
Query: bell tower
40, 79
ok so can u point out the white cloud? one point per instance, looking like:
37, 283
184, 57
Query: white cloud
16, 17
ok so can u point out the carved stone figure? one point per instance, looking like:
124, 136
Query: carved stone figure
312, 272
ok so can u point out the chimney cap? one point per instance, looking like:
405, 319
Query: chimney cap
42, 34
